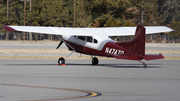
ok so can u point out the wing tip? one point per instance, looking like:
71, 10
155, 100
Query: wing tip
170, 29
8, 28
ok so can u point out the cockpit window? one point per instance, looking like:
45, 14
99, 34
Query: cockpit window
87, 39
95, 41
82, 38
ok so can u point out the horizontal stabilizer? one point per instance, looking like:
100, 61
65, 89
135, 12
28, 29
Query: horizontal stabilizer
154, 57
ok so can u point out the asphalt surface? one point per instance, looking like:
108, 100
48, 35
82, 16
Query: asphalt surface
111, 80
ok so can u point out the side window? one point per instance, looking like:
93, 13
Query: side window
95, 41
82, 38
89, 39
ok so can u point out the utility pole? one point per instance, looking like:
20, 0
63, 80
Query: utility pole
24, 16
30, 6
142, 21
7, 33
30, 35
74, 13
24, 12
7, 9
30, 38
142, 13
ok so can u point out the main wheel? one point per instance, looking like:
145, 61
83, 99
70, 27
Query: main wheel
61, 61
95, 61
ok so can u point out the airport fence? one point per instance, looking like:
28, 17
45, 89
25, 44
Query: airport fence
154, 38
27, 36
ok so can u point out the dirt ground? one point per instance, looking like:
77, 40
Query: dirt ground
29, 53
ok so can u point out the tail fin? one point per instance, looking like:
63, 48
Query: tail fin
137, 45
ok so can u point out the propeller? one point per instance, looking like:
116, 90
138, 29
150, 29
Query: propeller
61, 42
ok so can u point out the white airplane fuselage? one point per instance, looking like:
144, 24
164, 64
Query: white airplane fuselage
98, 45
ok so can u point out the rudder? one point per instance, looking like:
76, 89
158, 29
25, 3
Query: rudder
137, 45
139, 40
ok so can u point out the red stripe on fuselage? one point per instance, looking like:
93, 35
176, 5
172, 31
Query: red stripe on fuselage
108, 49
86, 50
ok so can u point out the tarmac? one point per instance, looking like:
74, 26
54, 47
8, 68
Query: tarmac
111, 80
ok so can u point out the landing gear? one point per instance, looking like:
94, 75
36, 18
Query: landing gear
144, 64
95, 61
61, 61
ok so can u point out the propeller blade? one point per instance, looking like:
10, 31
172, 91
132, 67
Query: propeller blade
59, 44
61, 36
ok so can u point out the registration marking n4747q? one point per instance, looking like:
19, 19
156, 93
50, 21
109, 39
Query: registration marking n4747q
113, 51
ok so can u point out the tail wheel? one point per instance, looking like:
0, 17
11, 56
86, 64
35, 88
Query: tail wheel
145, 66
95, 61
61, 61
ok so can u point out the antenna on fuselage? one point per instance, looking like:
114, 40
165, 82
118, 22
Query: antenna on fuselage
104, 25
63, 23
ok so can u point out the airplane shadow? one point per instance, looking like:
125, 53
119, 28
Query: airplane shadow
119, 65
30, 64
99, 65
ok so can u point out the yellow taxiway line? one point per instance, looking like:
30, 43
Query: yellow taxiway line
89, 93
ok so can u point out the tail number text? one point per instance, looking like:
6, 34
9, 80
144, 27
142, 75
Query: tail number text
113, 51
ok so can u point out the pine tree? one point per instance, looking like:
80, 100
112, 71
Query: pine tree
170, 11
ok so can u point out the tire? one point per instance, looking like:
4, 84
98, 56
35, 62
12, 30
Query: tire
95, 61
145, 66
61, 61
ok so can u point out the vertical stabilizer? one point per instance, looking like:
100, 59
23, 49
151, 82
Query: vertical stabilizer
137, 45
139, 40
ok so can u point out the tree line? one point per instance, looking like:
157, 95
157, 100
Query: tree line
92, 13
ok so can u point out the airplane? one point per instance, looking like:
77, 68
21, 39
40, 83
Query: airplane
97, 41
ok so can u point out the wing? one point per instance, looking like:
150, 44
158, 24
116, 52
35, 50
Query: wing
109, 31
125, 31
49, 30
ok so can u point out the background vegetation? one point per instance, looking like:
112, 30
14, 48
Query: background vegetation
93, 13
